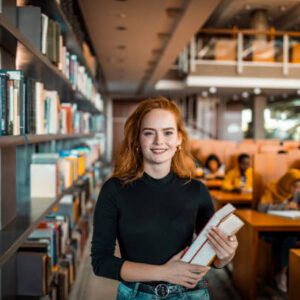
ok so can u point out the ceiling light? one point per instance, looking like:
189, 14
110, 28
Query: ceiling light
248, 7
122, 16
271, 98
204, 94
235, 97
245, 94
282, 8
121, 28
212, 89
121, 47
257, 91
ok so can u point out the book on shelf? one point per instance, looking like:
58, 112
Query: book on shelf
291, 214
14, 101
32, 273
31, 30
200, 252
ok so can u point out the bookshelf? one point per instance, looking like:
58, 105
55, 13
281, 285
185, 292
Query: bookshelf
32, 212
20, 214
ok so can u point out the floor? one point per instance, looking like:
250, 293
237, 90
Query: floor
89, 287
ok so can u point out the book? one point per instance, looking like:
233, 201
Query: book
200, 252
32, 271
291, 214
31, 30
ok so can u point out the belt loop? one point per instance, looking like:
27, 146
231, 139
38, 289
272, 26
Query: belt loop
136, 288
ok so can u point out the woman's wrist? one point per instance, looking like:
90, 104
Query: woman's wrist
218, 263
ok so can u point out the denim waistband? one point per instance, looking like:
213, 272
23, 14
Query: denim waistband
163, 290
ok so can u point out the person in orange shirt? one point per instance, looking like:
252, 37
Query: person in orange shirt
239, 179
282, 194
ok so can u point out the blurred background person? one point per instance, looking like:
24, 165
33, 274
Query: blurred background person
213, 168
239, 179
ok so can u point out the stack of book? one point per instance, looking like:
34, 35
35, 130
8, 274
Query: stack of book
200, 252
47, 262
45, 34
27, 107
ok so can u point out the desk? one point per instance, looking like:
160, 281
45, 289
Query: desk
213, 183
246, 259
221, 197
294, 274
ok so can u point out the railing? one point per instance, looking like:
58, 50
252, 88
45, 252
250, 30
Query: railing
242, 48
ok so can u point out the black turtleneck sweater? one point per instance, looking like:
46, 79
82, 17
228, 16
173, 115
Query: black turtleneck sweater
153, 219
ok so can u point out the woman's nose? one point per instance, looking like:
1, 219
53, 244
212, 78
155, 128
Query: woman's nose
158, 138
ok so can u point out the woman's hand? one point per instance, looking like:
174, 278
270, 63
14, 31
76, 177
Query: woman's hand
177, 272
291, 206
223, 245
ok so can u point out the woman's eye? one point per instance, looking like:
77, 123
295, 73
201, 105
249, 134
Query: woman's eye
168, 132
147, 133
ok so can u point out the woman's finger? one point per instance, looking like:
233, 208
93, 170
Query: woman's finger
218, 242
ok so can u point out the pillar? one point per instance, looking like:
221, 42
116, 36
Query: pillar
259, 105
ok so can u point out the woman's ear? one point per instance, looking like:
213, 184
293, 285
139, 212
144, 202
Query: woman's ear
179, 139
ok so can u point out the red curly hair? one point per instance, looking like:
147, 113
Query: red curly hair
129, 160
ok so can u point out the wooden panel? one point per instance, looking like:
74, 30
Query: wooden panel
287, 145
296, 53
225, 50
266, 168
263, 51
294, 274
8, 185
294, 158
244, 262
263, 221
271, 148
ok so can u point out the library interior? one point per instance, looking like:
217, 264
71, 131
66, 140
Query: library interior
79, 79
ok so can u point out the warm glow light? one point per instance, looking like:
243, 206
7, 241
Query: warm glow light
242, 82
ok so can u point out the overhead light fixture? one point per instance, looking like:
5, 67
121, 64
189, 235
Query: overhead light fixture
257, 91
212, 89
271, 98
166, 84
245, 94
121, 28
235, 97
248, 7
204, 94
282, 8
122, 16
242, 82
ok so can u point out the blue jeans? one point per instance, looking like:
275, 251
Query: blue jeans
126, 293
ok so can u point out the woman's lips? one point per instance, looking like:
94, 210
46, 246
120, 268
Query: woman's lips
158, 151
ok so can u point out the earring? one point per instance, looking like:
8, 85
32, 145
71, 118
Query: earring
179, 148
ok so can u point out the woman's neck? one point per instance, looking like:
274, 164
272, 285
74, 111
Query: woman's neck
157, 171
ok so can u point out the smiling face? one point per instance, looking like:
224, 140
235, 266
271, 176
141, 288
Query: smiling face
159, 138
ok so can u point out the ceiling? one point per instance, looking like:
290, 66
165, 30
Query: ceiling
138, 41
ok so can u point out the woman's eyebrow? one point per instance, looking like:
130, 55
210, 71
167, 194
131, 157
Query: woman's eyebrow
169, 128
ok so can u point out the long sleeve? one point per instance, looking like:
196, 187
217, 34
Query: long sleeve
205, 210
229, 181
104, 262
266, 202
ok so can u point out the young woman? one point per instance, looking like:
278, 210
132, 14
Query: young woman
213, 167
282, 194
153, 207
